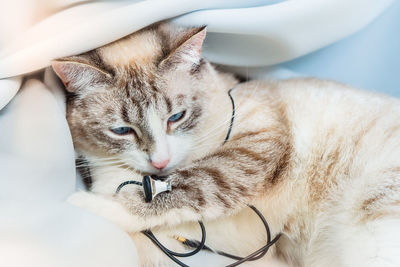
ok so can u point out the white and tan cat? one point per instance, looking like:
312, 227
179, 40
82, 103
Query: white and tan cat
319, 159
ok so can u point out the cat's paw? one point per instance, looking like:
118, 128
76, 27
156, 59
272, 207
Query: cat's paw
108, 208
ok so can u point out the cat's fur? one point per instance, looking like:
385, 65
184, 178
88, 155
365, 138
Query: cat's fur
319, 159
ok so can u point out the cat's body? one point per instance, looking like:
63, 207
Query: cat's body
319, 159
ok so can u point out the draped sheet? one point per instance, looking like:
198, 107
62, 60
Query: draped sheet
37, 168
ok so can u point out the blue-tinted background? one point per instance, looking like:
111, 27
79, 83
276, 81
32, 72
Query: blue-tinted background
369, 59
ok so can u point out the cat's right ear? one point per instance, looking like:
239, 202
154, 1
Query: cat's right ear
188, 53
77, 75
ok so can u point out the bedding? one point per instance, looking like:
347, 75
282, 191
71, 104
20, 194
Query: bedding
262, 38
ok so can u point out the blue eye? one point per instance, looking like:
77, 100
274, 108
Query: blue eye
176, 117
122, 130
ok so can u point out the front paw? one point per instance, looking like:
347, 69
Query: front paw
108, 208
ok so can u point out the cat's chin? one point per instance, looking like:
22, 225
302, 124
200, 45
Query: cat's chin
161, 173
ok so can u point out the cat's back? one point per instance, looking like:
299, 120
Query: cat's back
346, 142
332, 104
332, 114
316, 108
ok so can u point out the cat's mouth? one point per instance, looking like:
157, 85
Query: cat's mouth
150, 170
167, 170
159, 173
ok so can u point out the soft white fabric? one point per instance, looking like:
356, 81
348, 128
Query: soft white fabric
8, 89
37, 173
36, 155
267, 35
272, 34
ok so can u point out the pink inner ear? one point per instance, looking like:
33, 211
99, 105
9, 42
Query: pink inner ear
60, 70
193, 46
199, 39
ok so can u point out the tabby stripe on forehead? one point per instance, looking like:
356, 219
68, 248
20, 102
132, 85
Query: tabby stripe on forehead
96, 58
140, 111
127, 90
124, 113
168, 103
151, 81
191, 122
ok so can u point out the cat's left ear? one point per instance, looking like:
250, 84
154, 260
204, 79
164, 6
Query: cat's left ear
189, 52
78, 75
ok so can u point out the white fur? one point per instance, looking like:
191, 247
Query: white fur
158, 130
329, 232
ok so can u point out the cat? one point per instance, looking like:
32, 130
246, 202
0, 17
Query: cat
319, 159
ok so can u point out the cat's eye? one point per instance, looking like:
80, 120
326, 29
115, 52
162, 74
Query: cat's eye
176, 117
122, 130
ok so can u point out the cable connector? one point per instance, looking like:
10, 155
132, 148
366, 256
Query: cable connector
180, 239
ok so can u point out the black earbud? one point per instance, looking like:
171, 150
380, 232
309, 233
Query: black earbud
153, 187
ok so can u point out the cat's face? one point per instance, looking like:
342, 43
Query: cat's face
139, 102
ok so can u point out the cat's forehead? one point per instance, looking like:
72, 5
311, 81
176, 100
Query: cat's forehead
142, 48
135, 91
145, 85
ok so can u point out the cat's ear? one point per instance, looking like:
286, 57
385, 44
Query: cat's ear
189, 52
76, 75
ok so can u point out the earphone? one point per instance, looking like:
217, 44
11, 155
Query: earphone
152, 186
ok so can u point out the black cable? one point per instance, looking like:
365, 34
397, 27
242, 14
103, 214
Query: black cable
150, 235
253, 256
172, 254
127, 182
233, 116
262, 250
188, 254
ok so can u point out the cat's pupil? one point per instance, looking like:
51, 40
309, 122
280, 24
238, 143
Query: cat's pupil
122, 130
176, 117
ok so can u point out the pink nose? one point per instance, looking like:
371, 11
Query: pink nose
159, 165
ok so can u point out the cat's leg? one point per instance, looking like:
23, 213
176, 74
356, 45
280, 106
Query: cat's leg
107, 207
250, 165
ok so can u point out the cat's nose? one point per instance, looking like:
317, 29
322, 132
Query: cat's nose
159, 164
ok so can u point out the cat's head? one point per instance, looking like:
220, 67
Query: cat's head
140, 101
